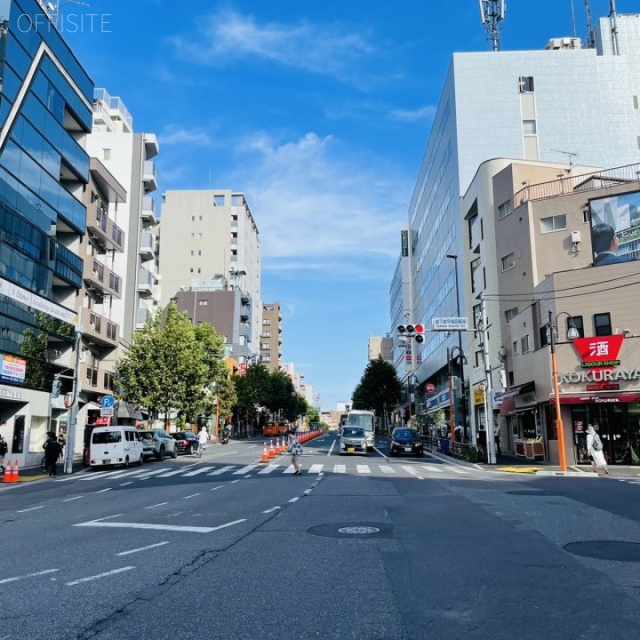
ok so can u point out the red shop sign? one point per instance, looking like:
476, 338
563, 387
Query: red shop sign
599, 352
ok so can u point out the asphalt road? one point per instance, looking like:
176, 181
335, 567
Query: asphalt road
369, 548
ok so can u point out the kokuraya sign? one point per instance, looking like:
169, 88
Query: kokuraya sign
599, 352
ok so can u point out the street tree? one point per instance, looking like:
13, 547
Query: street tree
378, 388
253, 390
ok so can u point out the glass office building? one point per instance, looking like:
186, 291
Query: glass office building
45, 113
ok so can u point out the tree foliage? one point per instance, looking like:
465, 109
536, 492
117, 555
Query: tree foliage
171, 365
379, 388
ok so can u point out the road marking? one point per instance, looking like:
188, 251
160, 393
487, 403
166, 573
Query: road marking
103, 490
269, 469
156, 527
431, 468
339, 468
307, 492
75, 498
271, 510
252, 446
160, 504
315, 468
29, 575
175, 473
151, 546
410, 470
385, 468
216, 488
198, 471
222, 470
294, 499
150, 473
124, 484
100, 575
289, 469
234, 481
333, 444
244, 470
193, 495
363, 468
30, 509
459, 471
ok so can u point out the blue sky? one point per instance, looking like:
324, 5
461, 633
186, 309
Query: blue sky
319, 111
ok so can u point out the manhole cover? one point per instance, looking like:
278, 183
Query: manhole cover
353, 530
606, 550
356, 530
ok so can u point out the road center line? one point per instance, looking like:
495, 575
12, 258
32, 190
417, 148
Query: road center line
30, 509
216, 488
103, 490
124, 484
151, 546
193, 495
294, 499
74, 498
155, 527
100, 575
333, 444
271, 510
160, 504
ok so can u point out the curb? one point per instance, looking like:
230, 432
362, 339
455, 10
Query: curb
568, 474
454, 461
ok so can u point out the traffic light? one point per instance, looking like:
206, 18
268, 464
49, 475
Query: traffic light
411, 331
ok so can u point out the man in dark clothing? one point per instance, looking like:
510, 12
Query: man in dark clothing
52, 453
3, 452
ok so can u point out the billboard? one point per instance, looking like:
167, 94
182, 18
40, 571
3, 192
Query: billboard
12, 369
615, 228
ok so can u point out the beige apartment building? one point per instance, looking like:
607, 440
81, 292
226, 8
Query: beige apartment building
271, 336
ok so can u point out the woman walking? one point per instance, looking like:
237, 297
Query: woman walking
295, 450
594, 447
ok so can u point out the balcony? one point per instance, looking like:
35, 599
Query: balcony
99, 278
146, 282
96, 379
98, 329
147, 248
149, 176
103, 229
142, 317
148, 213
151, 145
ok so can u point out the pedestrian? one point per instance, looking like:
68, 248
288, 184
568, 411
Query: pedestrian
459, 432
595, 449
295, 450
496, 435
3, 452
52, 453
203, 438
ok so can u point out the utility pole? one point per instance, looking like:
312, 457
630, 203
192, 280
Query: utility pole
73, 408
488, 404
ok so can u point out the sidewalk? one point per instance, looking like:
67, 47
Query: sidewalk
30, 474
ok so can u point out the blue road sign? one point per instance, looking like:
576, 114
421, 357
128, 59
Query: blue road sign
107, 401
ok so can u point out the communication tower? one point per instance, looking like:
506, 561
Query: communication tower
492, 16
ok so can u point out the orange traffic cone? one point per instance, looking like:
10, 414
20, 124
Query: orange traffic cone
14, 475
277, 447
272, 453
283, 446
7, 473
265, 455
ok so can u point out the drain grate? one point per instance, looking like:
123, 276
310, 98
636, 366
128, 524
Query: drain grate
606, 550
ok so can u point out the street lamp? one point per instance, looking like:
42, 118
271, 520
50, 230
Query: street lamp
572, 333
462, 359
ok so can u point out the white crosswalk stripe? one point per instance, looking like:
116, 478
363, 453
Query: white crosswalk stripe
339, 468
289, 469
196, 472
270, 469
174, 473
460, 471
248, 469
315, 468
385, 468
412, 470
363, 468
431, 468
222, 470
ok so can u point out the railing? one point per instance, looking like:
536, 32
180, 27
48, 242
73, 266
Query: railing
459, 450
584, 182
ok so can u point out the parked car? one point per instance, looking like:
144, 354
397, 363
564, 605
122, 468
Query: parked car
158, 443
187, 441
406, 441
353, 440
115, 445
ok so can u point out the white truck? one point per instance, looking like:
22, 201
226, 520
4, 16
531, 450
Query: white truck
364, 419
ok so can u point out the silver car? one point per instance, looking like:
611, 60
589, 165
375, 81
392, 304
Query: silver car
158, 443
353, 440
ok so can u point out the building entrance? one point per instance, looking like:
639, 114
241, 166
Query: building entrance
618, 425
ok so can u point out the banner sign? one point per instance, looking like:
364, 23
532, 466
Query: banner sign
599, 352
12, 369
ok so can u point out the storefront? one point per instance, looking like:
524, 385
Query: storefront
520, 410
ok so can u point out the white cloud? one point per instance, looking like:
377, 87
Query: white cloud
179, 135
411, 115
228, 35
322, 208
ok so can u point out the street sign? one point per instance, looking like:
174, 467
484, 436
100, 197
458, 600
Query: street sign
450, 324
107, 401
106, 411
430, 388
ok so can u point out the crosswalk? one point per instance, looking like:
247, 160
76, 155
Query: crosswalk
202, 471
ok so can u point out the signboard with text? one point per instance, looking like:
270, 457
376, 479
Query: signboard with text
12, 369
450, 324
599, 352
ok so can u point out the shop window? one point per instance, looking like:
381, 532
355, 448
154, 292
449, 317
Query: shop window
602, 324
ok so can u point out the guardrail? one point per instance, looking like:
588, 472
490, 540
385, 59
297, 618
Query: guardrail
459, 450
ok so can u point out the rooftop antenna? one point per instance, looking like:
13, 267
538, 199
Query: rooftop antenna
573, 19
570, 155
492, 16
591, 40
613, 14
53, 7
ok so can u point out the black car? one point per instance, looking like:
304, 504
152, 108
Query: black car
187, 441
406, 441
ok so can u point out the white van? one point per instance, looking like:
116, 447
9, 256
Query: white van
115, 445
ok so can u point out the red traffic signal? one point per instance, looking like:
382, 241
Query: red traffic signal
411, 331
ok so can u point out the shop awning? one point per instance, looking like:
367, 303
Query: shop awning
508, 406
597, 398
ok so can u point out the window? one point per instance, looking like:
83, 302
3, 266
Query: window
525, 84
193, 253
509, 314
266, 334
509, 262
636, 105
602, 324
505, 209
199, 252
200, 218
203, 303
524, 343
578, 324
515, 348
586, 214
529, 127
193, 218
553, 223
218, 201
